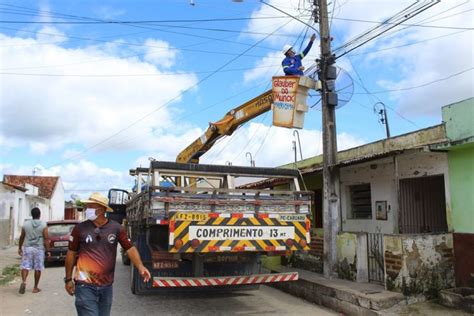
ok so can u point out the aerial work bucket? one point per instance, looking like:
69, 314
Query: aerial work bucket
289, 100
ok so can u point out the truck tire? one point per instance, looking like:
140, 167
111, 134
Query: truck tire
125, 258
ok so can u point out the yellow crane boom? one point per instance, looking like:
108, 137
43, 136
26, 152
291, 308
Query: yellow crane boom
226, 126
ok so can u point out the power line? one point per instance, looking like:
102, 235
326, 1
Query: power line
133, 21
178, 95
264, 117
423, 84
144, 45
185, 48
402, 16
155, 24
410, 25
155, 29
408, 44
428, 19
376, 97
293, 17
129, 139
128, 75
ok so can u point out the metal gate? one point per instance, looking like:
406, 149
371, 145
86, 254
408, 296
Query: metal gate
375, 257
423, 205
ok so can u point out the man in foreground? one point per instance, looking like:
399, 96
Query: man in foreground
94, 241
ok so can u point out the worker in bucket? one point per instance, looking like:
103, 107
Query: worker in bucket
292, 63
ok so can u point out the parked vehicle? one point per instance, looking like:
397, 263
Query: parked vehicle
58, 233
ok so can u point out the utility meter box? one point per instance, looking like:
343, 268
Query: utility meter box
289, 100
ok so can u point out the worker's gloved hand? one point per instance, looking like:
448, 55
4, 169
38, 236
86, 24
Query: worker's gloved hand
313, 37
301, 68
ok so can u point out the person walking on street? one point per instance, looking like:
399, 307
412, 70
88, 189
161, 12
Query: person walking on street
292, 65
31, 248
94, 241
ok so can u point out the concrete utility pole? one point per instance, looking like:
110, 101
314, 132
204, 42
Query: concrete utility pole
331, 200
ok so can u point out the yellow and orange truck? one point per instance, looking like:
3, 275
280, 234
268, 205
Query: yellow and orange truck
195, 228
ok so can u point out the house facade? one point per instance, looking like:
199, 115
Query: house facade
46, 193
459, 118
12, 202
406, 206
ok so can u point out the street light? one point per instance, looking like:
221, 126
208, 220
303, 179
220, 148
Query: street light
252, 162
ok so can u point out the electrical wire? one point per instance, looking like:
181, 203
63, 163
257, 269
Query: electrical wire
294, 17
156, 29
175, 97
149, 46
427, 20
128, 75
265, 115
140, 135
421, 85
410, 25
404, 15
408, 44
374, 96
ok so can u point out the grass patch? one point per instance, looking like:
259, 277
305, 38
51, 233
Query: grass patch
9, 273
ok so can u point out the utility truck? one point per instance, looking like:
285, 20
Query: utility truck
194, 228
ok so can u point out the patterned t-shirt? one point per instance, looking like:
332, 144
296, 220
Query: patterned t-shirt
97, 250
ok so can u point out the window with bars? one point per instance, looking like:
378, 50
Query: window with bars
360, 201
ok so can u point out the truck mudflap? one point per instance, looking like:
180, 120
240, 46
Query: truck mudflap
237, 232
224, 280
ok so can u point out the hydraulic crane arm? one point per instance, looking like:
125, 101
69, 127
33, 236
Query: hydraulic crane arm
226, 126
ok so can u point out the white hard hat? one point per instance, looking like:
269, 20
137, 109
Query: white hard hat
286, 48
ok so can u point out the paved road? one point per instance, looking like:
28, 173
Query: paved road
53, 300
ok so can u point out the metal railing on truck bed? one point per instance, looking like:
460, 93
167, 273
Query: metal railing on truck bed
215, 194
160, 202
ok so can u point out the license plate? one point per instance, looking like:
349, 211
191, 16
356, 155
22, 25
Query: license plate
165, 265
61, 243
191, 216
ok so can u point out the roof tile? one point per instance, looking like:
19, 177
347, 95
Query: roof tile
46, 185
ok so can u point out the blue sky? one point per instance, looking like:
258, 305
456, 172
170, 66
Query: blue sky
88, 100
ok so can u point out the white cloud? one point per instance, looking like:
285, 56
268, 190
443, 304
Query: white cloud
262, 69
84, 108
160, 53
38, 148
50, 35
429, 61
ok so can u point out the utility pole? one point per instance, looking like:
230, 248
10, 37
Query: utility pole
331, 200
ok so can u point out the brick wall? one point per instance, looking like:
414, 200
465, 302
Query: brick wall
393, 263
419, 263
316, 246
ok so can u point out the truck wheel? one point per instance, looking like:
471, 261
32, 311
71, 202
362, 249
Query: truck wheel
125, 258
